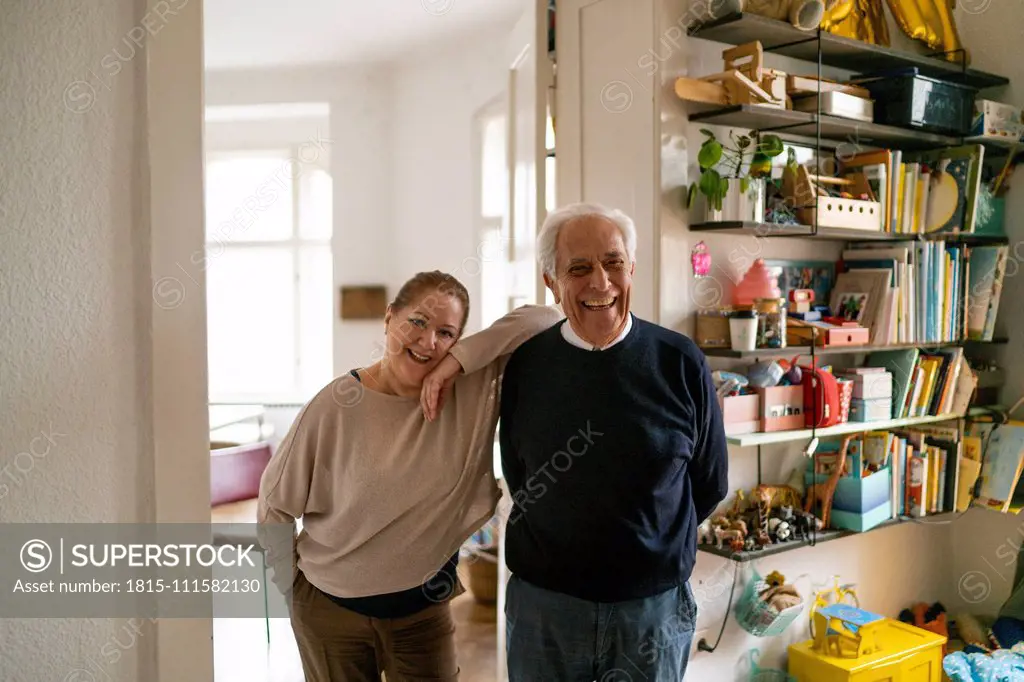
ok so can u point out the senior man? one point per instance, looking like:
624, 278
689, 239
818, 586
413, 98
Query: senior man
613, 448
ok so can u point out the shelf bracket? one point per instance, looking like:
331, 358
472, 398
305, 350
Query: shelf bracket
703, 645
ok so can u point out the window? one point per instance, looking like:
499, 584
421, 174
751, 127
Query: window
493, 202
269, 275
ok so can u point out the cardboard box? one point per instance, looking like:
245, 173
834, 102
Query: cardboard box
823, 334
871, 385
782, 408
859, 503
997, 121
876, 409
741, 414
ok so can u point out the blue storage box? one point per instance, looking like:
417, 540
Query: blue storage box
859, 503
858, 495
872, 410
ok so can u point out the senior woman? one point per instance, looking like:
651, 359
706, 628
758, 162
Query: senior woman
386, 496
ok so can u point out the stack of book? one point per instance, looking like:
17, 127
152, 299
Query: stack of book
923, 192
921, 291
927, 383
933, 470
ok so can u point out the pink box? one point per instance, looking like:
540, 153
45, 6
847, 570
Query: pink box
782, 408
846, 386
741, 414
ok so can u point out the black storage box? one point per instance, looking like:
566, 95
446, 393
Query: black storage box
907, 99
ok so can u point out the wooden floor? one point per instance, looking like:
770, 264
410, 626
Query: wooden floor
241, 652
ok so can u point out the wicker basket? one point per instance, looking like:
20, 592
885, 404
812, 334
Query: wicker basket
482, 567
759, 618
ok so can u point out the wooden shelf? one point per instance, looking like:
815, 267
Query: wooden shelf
803, 124
799, 435
791, 351
845, 53
821, 536
753, 229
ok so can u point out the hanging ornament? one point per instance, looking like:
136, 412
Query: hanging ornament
701, 260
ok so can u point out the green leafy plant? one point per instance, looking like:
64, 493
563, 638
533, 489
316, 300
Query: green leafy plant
713, 155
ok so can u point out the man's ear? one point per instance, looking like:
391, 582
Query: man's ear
387, 318
632, 268
550, 284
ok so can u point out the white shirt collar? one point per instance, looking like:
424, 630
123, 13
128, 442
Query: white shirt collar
570, 335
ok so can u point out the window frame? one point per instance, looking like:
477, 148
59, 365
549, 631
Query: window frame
297, 245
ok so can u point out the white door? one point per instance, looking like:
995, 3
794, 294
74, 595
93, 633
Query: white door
529, 76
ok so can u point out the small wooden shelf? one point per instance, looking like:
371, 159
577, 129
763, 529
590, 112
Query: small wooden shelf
791, 351
799, 435
845, 53
752, 229
821, 536
803, 124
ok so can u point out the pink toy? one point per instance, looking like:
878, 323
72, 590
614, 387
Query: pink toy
701, 260
758, 282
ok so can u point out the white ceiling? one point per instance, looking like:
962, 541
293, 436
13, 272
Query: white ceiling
269, 33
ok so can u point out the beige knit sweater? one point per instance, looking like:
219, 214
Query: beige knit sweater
386, 497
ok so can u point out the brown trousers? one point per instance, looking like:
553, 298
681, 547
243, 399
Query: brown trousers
339, 645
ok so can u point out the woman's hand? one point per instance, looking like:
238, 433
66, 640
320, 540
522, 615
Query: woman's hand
437, 385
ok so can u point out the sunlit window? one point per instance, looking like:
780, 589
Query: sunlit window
269, 276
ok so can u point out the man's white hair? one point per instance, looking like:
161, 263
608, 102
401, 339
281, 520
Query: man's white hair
556, 220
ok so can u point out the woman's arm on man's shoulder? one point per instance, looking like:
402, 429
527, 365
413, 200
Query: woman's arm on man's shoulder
477, 351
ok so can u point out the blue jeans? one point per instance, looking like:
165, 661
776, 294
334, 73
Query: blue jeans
552, 636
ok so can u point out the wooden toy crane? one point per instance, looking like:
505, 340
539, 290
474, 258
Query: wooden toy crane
745, 80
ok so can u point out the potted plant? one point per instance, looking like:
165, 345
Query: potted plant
733, 179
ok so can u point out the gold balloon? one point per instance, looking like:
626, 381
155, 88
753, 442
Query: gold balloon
929, 21
862, 20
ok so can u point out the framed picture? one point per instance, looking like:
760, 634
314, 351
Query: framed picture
851, 306
817, 275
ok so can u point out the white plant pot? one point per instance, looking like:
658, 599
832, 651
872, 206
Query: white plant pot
737, 204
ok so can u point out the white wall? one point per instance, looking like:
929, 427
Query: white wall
400, 142
359, 143
88, 358
435, 97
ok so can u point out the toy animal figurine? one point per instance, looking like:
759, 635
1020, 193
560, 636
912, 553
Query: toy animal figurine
803, 524
783, 532
827, 491
705, 533
786, 513
723, 535
750, 544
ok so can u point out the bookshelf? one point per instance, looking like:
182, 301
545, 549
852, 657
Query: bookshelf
824, 133
835, 234
805, 125
783, 38
791, 351
803, 435
819, 537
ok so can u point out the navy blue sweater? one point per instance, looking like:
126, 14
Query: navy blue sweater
613, 459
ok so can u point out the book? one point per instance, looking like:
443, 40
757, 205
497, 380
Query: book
954, 186
900, 363
1001, 469
988, 268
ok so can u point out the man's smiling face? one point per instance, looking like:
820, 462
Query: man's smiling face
593, 278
